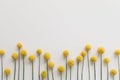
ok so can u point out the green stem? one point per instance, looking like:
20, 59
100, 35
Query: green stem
61, 75
94, 72
101, 66
47, 71
39, 69
6, 77
70, 73
15, 70
66, 68
1, 68
19, 64
52, 74
42, 78
77, 70
32, 71
107, 72
88, 65
113, 78
23, 68
82, 70
118, 67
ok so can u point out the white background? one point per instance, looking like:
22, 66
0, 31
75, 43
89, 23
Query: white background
55, 25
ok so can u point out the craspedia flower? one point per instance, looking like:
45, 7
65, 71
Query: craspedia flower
61, 68
113, 72
19, 45
2, 52
39, 51
31, 57
71, 62
14, 56
7, 71
79, 58
106, 60
83, 53
51, 64
117, 52
44, 74
47, 56
88, 47
93, 59
65, 53
23, 52
101, 50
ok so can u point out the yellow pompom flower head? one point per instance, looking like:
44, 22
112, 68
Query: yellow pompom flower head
31, 59
7, 72
14, 57
113, 72
44, 74
2, 52
71, 64
39, 52
101, 51
19, 45
61, 69
93, 59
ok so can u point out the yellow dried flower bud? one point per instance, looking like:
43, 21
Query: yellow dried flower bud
113, 72
47, 56
83, 53
117, 52
39, 51
88, 47
51, 64
61, 68
7, 71
106, 60
65, 53
19, 45
79, 58
93, 59
23, 52
31, 57
101, 50
2, 52
71, 62
15, 56
44, 74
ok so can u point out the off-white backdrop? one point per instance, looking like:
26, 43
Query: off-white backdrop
55, 25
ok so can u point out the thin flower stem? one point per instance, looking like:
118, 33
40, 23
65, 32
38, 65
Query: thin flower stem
101, 66
32, 71
1, 68
66, 68
82, 70
47, 71
77, 70
42, 78
88, 65
61, 76
70, 73
113, 78
107, 72
14, 69
39, 69
94, 72
23, 68
19, 64
52, 74
118, 67
6, 77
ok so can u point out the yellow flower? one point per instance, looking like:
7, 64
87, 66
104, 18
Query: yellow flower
14, 56
23, 52
31, 57
39, 51
19, 45
7, 71
2, 52
71, 62
113, 72
47, 56
79, 58
101, 50
61, 68
117, 52
65, 53
51, 64
83, 53
44, 74
106, 60
93, 59
88, 47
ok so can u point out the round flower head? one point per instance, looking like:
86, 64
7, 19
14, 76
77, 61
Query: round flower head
65, 53
88, 47
7, 71
117, 52
106, 60
39, 51
83, 53
93, 59
19, 45
47, 56
31, 57
51, 64
79, 58
101, 50
113, 72
14, 56
61, 68
23, 52
2, 52
71, 62
44, 74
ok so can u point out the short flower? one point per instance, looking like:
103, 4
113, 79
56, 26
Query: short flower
101, 50
113, 72
106, 60
71, 62
19, 45
47, 56
79, 58
51, 64
23, 52
83, 53
31, 57
2, 52
39, 51
117, 52
7, 71
61, 68
65, 53
93, 59
88, 47
44, 74
14, 56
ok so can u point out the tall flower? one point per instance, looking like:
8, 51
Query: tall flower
7, 72
78, 59
23, 53
39, 52
31, 59
51, 65
93, 59
71, 64
14, 57
101, 51
2, 52
66, 54
19, 46
44, 74
61, 69
88, 48
117, 53
113, 72
83, 54
106, 61
47, 57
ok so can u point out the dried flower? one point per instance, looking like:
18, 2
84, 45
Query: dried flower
2, 52
44, 74
7, 71
101, 50
93, 59
19, 45
71, 62
106, 60
65, 53
88, 47
61, 68
79, 58
113, 72
23, 52
117, 52
39, 51
15, 56
83, 53
51, 64
31, 57
47, 56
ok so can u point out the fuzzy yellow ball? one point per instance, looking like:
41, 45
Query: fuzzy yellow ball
19, 45
106, 60
93, 59
113, 72
117, 52
23, 52
14, 56
47, 56
51, 64
31, 57
44, 74
65, 53
61, 68
7, 71
83, 53
101, 50
39, 51
2, 52
71, 62
88, 47
79, 58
